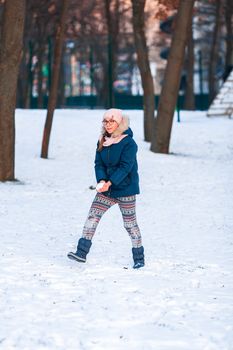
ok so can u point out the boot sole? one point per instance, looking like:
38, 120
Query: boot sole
73, 256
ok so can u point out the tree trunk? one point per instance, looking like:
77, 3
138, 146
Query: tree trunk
10, 56
110, 97
23, 80
189, 102
28, 102
55, 78
170, 89
103, 95
229, 36
214, 53
50, 46
144, 67
21, 84
61, 85
40, 56
112, 20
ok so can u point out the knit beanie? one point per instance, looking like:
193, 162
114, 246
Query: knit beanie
115, 114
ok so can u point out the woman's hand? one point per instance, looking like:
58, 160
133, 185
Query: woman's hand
105, 186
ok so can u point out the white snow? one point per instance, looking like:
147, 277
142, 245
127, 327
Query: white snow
181, 299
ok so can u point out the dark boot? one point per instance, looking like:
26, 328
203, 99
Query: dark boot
138, 257
83, 248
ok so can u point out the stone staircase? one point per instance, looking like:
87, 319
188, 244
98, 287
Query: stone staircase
223, 102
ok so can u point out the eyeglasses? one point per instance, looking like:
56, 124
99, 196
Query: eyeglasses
108, 122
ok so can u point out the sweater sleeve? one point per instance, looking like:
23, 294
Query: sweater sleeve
100, 168
127, 160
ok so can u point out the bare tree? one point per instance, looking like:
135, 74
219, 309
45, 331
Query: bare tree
113, 31
10, 56
229, 35
167, 102
214, 52
144, 66
55, 78
189, 102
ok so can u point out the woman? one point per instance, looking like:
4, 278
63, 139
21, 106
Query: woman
117, 178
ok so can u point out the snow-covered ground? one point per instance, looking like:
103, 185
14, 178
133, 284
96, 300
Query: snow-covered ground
182, 299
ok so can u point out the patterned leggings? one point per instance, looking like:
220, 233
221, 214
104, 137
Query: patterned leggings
127, 206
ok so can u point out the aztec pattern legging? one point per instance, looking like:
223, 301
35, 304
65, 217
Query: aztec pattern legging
127, 207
